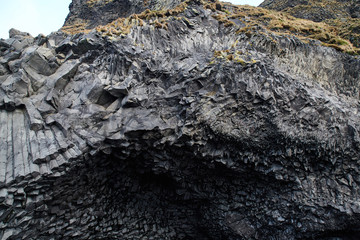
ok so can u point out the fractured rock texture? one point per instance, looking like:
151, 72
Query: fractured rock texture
343, 14
101, 12
316, 10
150, 136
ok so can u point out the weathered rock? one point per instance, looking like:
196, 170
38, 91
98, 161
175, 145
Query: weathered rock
14, 33
197, 131
41, 60
355, 9
314, 10
342, 14
3, 70
16, 84
101, 12
19, 40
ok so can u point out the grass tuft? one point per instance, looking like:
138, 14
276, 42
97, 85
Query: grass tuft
92, 3
339, 34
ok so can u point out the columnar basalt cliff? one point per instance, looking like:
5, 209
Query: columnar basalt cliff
186, 122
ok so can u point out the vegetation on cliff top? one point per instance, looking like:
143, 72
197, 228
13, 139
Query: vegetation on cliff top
335, 36
333, 33
316, 10
340, 14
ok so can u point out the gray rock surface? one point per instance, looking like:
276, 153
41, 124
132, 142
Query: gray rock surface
100, 12
342, 14
317, 11
154, 136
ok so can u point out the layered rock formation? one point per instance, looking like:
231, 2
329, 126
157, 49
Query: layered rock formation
183, 128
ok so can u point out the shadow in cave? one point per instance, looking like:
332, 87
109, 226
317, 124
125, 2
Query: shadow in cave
341, 235
105, 197
108, 198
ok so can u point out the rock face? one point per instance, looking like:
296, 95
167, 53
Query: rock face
92, 13
343, 14
196, 131
316, 10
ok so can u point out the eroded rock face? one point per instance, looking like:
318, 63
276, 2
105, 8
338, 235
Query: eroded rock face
343, 14
153, 136
355, 9
92, 13
315, 10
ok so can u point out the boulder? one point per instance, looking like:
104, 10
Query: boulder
14, 33
42, 61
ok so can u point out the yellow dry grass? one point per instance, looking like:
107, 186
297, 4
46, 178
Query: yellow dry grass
330, 34
78, 27
120, 26
283, 23
92, 3
337, 8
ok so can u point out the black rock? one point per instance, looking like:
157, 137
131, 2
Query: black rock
178, 129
